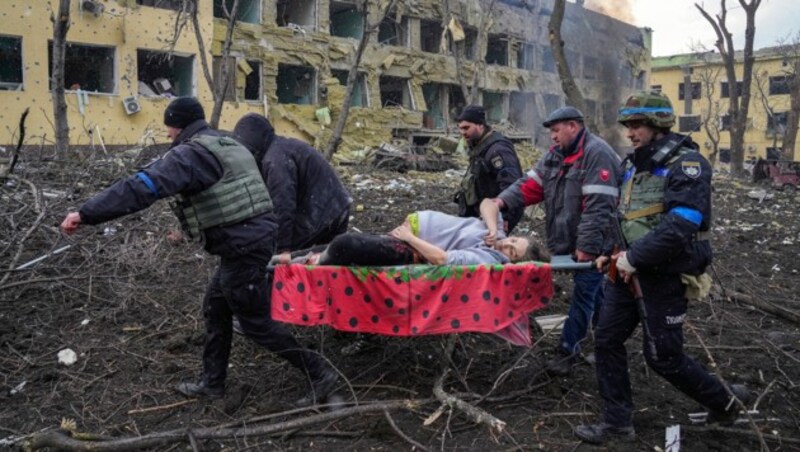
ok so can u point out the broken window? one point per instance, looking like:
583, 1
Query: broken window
548, 61
591, 67
230, 92
656, 88
725, 89
777, 122
297, 13
696, 90
780, 84
360, 95
296, 85
430, 35
175, 5
434, 99
395, 92
497, 50
551, 103
393, 32
494, 103
525, 56
346, 21
247, 11
160, 74
87, 67
252, 80
10, 63
521, 110
689, 123
725, 123
467, 47
455, 101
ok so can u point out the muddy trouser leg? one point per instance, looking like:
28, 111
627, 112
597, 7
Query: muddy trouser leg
666, 309
247, 289
617, 321
367, 249
217, 347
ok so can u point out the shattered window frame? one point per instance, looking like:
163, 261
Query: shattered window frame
178, 66
430, 28
497, 49
173, 5
780, 85
351, 26
407, 102
244, 13
12, 75
526, 56
725, 90
548, 60
81, 72
401, 31
494, 105
361, 85
256, 77
779, 119
697, 91
725, 123
306, 72
283, 20
521, 110
656, 88
434, 94
456, 101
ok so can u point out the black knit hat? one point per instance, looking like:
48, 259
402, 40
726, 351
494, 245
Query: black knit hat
474, 114
183, 111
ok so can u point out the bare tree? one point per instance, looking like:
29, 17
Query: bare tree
470, 89
711, 118
352, 76
568, 85
60, 28
777, 129
739, 102
790, 51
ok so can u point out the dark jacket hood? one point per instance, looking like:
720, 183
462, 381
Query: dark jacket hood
256, 133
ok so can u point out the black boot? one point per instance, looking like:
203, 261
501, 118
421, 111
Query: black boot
729, 415
321, 387
190, 389
602, 433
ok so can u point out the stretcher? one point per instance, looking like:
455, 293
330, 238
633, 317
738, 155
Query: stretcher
416, 300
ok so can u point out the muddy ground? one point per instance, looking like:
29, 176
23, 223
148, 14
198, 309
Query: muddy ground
129, 304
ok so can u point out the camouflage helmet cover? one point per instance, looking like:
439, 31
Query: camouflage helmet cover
652, 107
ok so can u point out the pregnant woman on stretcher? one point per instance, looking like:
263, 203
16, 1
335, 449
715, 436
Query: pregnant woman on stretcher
425, 237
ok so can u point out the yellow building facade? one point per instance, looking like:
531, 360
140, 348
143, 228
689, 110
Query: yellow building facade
769, 102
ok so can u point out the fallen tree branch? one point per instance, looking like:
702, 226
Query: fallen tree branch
65, 440
400, 433
773, 309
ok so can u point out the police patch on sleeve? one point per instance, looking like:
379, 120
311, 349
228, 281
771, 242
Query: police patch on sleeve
497, 162
691, 169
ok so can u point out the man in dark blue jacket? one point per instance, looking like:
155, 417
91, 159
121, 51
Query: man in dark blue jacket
206, 174
310, 203
665, 217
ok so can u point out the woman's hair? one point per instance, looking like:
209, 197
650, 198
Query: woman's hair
535, 252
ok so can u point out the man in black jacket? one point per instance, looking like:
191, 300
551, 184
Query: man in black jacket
310, 203
493, 166
204, 172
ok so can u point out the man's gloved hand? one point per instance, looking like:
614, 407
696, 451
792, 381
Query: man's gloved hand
623, 265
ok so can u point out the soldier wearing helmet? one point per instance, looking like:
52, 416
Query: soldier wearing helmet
665, 216
577, 183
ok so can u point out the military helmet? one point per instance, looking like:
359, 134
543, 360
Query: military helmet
652, 107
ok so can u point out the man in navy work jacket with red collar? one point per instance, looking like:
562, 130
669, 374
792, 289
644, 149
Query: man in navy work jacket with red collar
577, 180
221, 199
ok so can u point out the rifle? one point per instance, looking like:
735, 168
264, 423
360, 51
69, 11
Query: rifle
633, 285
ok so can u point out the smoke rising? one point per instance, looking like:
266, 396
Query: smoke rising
618, 9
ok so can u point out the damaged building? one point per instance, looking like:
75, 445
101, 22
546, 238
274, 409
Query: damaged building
425, 60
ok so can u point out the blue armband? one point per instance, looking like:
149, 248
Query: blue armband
691, 215
142, 176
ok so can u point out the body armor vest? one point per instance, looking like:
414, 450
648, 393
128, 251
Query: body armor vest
240, 193
642, 203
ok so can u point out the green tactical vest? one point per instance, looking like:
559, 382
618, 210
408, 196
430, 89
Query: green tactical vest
240, 193
642, 203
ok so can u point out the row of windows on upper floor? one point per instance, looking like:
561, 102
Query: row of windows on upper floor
777, 123
778, 85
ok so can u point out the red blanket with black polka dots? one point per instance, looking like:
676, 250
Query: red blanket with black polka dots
414, 300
